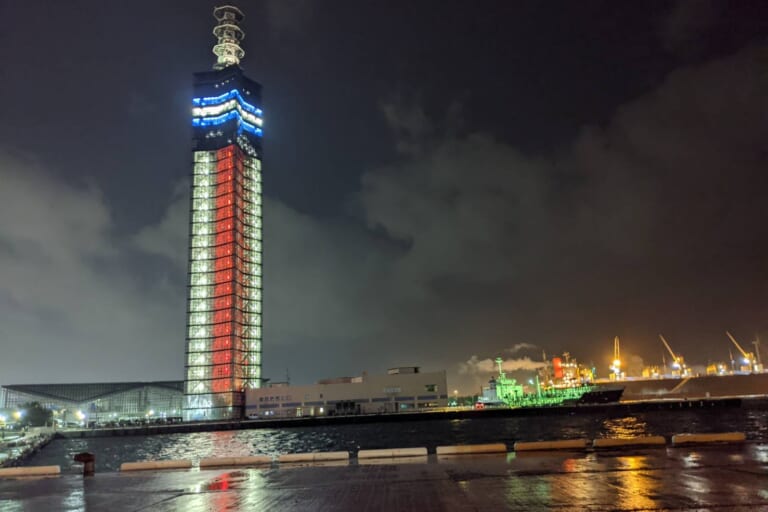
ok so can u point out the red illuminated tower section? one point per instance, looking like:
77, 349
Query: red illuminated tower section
228, 267
223, 355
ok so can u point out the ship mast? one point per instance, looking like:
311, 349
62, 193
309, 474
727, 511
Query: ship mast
499, 362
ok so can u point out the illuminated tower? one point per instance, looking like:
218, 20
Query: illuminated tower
223, 346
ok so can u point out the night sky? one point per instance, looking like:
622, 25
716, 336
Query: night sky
446, 181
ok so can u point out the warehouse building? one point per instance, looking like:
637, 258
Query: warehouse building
400, 390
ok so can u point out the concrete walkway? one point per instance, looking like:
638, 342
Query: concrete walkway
728, 478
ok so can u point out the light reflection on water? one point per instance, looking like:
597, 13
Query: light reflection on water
625, 428
112, 451
637, 490
760, 453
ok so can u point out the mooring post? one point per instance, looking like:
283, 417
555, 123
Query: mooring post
89, 463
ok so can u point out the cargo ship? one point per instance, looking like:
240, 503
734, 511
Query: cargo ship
704, 386
512, 394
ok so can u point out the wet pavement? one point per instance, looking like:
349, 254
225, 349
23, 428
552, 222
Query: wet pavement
729, 478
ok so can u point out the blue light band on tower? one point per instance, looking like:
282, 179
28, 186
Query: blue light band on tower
216, 100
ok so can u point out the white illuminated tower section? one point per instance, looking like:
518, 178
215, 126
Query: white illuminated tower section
224, 328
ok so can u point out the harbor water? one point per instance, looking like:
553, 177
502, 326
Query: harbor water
112, 451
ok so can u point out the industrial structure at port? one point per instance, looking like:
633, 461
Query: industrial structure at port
743, 364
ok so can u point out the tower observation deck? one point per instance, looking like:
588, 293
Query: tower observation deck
224, 314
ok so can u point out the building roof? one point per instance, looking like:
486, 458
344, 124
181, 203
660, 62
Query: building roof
77, 393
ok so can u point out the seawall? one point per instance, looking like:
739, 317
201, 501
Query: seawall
621, 408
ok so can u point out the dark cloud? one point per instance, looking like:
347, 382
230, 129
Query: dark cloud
169, 237
687, 23
288, 17
71, 309
683, 164
671, 185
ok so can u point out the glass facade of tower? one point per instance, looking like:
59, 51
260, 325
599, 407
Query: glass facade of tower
224, 328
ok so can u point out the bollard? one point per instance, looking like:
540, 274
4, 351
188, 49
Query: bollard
472, 449
395, 452
721, 437
29, 471
89, 463
155, 465
568, 444
608, 442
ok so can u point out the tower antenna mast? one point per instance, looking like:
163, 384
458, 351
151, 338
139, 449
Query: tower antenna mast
229, 34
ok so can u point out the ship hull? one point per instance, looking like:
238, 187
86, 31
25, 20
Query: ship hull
710, 386
568, 396
602, 395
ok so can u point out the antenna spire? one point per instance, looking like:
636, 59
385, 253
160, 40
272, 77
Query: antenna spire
229, 34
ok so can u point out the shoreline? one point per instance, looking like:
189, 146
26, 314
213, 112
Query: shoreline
628, 407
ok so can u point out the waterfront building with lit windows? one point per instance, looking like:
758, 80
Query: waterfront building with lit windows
100, 403
399, 390
224, 327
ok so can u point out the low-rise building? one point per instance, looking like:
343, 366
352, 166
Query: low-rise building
100, 403
401, 389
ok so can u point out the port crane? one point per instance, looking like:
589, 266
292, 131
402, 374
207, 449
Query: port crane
616, 366
756, 343
678, 363
750, 361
